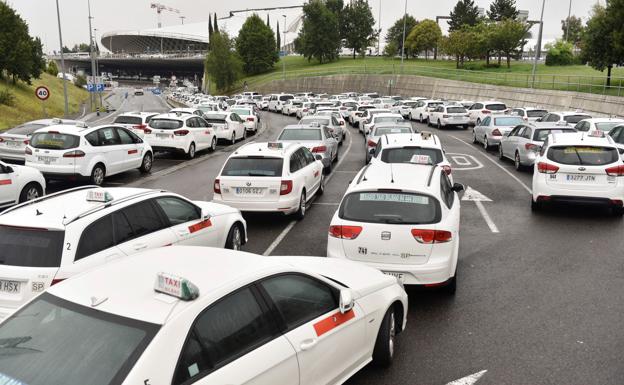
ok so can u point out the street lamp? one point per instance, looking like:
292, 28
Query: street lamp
58, 16
284, 58
92, 51
404, 27
538, 48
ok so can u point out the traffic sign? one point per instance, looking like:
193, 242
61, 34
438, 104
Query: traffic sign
42, 93
100, 87
91, 87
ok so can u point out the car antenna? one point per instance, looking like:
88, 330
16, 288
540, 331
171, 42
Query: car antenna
391, 174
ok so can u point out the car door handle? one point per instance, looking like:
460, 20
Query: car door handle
183, 233
308, 344
140, 246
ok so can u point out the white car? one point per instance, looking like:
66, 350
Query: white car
357, 112
291, 106
381, 118
402, 219
565, 117
305, 109
197, 315
493, 128
19, 184
227, 125
183, 133
135, 121
264, 103
208, 107
422, 108
277, 101
529, 114
579, 168
380, 130
480, 110
93, 153
76, 230
449, 116
404, 107
367, 116
270, 177
249, 117
602, 124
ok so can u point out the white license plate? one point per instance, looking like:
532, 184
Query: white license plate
249, 190
12, 287
580, 178
399, 276
13, 144
162, 136
46, 159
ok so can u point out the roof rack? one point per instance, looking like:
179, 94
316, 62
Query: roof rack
46, 197
431, 175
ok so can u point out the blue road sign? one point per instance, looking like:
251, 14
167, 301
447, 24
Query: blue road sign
100, 87
91, 87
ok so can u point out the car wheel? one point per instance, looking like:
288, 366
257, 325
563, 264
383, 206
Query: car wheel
327, 170
31, 191
235, 238
191, 151
451, 285
233, 139
617, 211
517, 162
383, 354
97, 174
501, 156
302, 206
536, 206
421, 119
478, 122
474, 137
146, 165
439, 125
244, 134
321, 189
486, 145
336, 157
213, 144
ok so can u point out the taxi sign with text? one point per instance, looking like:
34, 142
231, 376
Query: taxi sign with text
99, 196
421, 159
176, 287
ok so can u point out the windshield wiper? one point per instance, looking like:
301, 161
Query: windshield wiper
578, 156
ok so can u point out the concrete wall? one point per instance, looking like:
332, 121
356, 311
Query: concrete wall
409, 85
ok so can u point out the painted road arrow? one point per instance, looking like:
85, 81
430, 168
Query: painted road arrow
469, 380
478, 198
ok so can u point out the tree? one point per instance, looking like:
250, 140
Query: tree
319, 36
503, 9
572, 29
466, 43
464, 13
559, 53
215, 24
82, 47
210, 30
600, 46
268, 21
52, 68
255, 45
223, 65
391, 49
507, 37
335, 6
279, 39
358, 27
395, 33
424, 37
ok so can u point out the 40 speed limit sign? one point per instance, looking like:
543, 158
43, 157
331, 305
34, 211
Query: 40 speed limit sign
42, 93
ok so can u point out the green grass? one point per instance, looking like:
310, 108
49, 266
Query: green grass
569, 78
27, 107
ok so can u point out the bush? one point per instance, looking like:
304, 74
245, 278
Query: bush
560, 54
7, 98
391, 50
480, 66
80, 81
52, 68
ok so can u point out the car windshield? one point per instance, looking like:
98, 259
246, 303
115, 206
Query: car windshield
390, 207
536, 113
379, 131
54, 141
583, 155
606, 126
387, 119
508, 121
541, 134
241, 111
405, 154
30, 247
286, 97
495, 107
301, 134
55, 342
128, 120
166, 124
253, 166
456, 110
575, 118
321, 121
25, 129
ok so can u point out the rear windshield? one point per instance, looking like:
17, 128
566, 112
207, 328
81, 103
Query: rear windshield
583, 155
52, 141
362, 108
434, 104
286, 97
53, 341
240, 112
540, 135
25, 129
390, 207
27, 247
575, 118
321, 121
379, 131
409, 104
387, 119
508, 121
253, 166
166, 124
536, 113
456, 110
607, 126
405, 154
128, 120
213, 118
301, 134
495, 107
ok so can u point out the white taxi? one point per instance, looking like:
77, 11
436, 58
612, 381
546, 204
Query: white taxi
65, 152
227, 125
581, 168
480, 110
185, 133
402, 219
193, 315
270, 177
63, 234
19, 184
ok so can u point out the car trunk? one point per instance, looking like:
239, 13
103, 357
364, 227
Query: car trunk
251, 179
53, 149
583, 167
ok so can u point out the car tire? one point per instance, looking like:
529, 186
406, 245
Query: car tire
383, 354
474, 137
98, 174
234, 239
451, 285
501, 156
617, 211
244, 134
233, 139
486, 144
32, 190
536, 206
517, 163
190, 154
301, 212
146, 164
213, 144
321, 189
439, 125
421, 119
327, 170
336, 157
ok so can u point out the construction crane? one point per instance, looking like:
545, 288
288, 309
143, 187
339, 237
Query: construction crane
159, 8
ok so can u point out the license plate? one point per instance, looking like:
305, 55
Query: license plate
249, 190
580, 178
399, 276
162, 136
46, 159
11, 287
12, 144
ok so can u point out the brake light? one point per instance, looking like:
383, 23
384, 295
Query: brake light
147, 131
432, 236
371, 143
1, 140
27, 142
305, 110
319, 149
180, 132
139, 126
74, 154
547, 168
286, 187
485, 111
496, 132
531, 147
56, 280
53, 132
615, 171
217, 186
345, 232
28, 151
250, 119
447, 169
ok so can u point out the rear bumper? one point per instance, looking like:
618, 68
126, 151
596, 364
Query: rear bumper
605, 197
455, 122
284, 205
577, 200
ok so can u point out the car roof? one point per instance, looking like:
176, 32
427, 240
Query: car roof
423, 139
301, 126
138, 113
579, 138
401, 176
69, 129
603, 120
389, 115
490, 102
566, 113
262, 149
549, 125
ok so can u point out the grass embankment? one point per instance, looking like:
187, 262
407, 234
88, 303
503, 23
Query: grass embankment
27, 107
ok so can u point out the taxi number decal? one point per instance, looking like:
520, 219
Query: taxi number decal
4, 182
200, 226
332, 322
130, 152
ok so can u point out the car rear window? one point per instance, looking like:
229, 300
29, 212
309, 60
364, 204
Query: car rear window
30, 247
286, 97
215, 118
405, 154
301, 134
575, 118
536, 113
456, 110
379, 131
166, 124
508, 121
495, 107
390, 207
540, 135
54, 141
321, 121
25, 129
241, 111
607, 126
434, 104
583, 155
253, 166
128, 120
387, 119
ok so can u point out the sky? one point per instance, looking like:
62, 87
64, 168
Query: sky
110, 15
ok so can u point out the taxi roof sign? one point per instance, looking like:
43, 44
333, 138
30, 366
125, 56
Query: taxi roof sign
597, 134
275, 145
99, 195
426, 135
176, 287
421, 159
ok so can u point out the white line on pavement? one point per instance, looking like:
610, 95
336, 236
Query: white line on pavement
487, 217
469, 380
325, 204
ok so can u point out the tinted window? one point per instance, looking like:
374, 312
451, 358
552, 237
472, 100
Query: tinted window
25, 129
178, 211
390, 207
216, 118
575, 118
93, 138
508, 121
108, 136
296, 163
405, 154
143, 218
242, 112
128, 120
124, 136
607, 126
97, 236
445, 188
122, 231
308, 156
486, 121
301, 134
379, 131
496, 107
321, 121
165, 124
456, 110
227, 330
52, 141
583, 155
552, 118
542, 134
536, 113
30, 247
300, 299
387, 119
286, 97
253, 166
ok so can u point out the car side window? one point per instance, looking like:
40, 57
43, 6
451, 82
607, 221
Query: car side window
124, 137
122, 231
192, 123
486, 121
227, 330
520, 131
93, 138
308, 156
334, 121
299, 299
553, 118
108, 136
615, 134
201, 122
178, 211
377, 149
515, 131
295, 162
97, 237
528, 133
327, 133
445, 190
144, 218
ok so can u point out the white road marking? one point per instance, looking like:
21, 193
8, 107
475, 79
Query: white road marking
478, 198
487, 217
469, 380
465, 160
325, 204
497, 165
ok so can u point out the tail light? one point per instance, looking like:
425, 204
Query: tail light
139, 126
432, 236
26, 142
1, 140
318, 149
371, 143
342, 123
525, 119
56, 280
74, 154
531, 147
217, 186
147, 131
250, 119
446, 116
345, 232
615, 171
28, 151
180, 132
447, 169
305, 110
547, 168
286, 187
496, 132
485, 111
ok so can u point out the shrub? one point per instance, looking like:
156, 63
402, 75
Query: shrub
52, 68
560, 54
80, 81
6, 98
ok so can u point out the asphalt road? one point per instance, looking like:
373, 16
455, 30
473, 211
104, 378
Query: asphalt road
538, 302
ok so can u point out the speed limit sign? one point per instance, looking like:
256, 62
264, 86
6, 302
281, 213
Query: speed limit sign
42, 92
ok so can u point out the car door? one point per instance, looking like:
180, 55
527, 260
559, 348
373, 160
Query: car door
311, 168
300, 179
8, 190
236, 341
331, 142
329, 344
133, 154
508, 144
187, 223
238, 124
111, 150
97, 244
206, 134
480, 130
192, 125
149, 228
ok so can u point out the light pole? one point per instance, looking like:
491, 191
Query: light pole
538, 48
182, 18
92, 49
403, 44
284, 57
58, 16
379, 32
568, 21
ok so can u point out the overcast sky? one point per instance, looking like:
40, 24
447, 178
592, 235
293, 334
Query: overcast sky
112, 15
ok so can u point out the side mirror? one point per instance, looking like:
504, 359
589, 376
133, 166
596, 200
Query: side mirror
318, 156
621, 151
206, 216
372, 151
458, 187
346, 300
209, 125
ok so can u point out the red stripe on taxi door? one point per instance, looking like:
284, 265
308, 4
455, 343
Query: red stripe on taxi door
200, 226
4, 182
130, 152
332, 322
